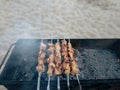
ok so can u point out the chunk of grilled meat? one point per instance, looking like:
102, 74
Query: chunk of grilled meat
43, 47
41, 60
50, 71
51, 68
74, 66
71, 51
51, 58
40, 68
66, 67
42, 54
51, 48
66, 63
58, 71
58, 60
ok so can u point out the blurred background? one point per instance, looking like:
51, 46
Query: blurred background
73, 18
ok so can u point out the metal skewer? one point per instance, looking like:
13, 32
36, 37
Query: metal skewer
58, 82
38, 82
58, 77
80, 87
48, 86
39, 75
68, 78
69, 41
68, 82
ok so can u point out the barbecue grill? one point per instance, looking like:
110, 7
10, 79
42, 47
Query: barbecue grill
99, 63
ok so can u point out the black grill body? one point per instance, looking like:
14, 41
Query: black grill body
20, 72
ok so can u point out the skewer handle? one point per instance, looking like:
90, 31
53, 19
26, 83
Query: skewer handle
80, 87
48, 86
38, 83
68, 82
58, 82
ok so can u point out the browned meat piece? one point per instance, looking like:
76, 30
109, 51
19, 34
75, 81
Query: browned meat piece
66, 63
64, 53
71, 56
57, 49
58, 71
40, 68
42, 54
66, 67
51, 64
51, 68
59, 65
66, 58
64, 48
41, 61
64, 42
51, 58
71, 51
42, 47
73, 63
51, 48
57, 46
75, 69
58, 54
67, 71
50, 71
58, 60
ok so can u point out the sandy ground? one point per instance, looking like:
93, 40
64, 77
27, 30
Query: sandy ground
74, 18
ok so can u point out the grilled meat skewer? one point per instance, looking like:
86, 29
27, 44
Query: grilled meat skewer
51, 65
66, 63
41, 68
74, 66
58, 63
